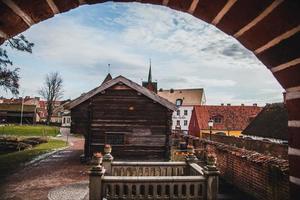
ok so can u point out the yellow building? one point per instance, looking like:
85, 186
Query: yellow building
224, 120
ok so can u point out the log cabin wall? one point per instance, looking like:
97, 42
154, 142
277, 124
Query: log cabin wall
136, 126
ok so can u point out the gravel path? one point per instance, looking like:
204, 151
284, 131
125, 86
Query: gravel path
35, 181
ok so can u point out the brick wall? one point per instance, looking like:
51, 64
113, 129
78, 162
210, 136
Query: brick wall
267, 148
261, 176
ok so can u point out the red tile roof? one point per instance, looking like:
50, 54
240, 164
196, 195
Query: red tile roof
233, 117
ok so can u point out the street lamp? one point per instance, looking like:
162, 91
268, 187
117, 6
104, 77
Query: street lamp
210, 125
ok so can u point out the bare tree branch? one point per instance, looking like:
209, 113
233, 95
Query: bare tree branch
52, 91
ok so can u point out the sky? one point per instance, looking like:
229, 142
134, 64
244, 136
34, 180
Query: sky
185, 53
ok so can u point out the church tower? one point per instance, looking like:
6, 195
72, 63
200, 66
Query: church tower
150, 85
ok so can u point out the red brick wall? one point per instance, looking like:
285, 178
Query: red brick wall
267, 148
263, 177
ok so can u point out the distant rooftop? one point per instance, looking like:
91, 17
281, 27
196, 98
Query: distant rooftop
271, 122
189, 96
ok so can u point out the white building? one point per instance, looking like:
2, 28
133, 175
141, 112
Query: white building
66, 119
185, 99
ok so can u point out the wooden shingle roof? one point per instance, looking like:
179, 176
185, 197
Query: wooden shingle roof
271, 122
127, 82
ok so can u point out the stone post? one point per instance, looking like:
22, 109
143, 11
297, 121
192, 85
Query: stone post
107, 160
212, 180
95, 187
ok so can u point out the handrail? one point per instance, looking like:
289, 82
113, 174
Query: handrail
135, 179
121, 163
197, 168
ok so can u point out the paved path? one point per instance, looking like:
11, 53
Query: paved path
34, 181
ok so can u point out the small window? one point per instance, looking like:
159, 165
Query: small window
178, 102
217, 119
178, 112
185, 122
185, 112
68, 120
114, 139
178, 122
64, 120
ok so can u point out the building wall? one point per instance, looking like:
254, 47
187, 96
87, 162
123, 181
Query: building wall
182, 118
144, 123
66, 121
230, 133
261, 176
267, 148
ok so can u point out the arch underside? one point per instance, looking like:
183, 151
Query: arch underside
268, 28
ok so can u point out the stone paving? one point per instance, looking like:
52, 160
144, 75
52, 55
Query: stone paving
77, 191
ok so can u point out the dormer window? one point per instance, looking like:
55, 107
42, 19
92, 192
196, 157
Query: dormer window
217, 119
178, 102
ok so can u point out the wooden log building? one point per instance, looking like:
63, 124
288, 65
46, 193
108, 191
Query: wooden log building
133, 119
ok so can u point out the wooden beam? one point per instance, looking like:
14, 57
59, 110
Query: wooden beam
292, 95
165, 2
294, 123
295, 180
16, 9
294, 151
3, 35
278, 39
293, 89
224, 10
285, 65
193, 6
81, 2
260, 17
53, 7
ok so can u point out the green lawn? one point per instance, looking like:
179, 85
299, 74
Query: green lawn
29, 130
12, 161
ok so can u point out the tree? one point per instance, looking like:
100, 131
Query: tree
52, 91
9, 78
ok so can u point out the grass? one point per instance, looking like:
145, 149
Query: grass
29, 130
12, 161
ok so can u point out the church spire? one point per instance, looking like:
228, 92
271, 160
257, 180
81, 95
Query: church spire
150, 74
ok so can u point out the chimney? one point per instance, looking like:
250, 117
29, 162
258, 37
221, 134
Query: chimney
222, 104
228, 104
255, 104
242, 104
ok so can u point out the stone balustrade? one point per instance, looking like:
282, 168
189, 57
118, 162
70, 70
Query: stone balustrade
153, 180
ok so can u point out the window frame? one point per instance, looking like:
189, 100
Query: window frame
123, 134
185, 122
185, 112
180, 102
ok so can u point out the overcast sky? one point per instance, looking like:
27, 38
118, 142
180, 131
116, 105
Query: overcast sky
185, 52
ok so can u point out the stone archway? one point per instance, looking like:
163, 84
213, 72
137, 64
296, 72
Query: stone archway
269, 28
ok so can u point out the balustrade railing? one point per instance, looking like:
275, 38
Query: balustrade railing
153, 180
149, 169
168, 187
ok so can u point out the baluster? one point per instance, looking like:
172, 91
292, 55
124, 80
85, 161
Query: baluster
175, 190
113, 190
121, 191
129, 190
163, 190
179, 189
187, 191
146, 190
